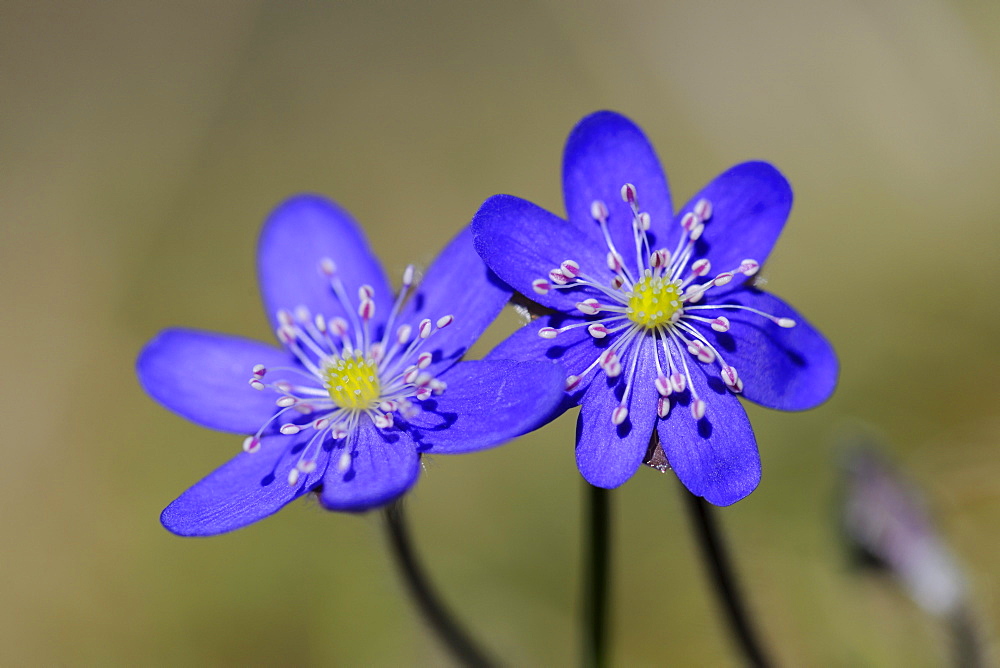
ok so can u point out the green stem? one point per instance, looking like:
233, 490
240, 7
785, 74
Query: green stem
595, 582
447, 628
723, 578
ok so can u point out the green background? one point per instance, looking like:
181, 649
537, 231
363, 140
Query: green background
141, 145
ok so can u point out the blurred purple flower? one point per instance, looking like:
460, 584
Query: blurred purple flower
654, 314
362, 385
886, 520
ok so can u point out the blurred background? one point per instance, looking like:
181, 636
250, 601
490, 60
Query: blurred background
141, 145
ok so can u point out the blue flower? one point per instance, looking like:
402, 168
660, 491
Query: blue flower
363, 384
655, 315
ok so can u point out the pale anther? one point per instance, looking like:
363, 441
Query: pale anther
570, 268
597, 330
541, 286
619, 414
598, 211
663, 407
703, 209
628, 193
289, 429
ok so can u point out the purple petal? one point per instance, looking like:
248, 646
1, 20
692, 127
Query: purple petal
297, 236
574, 349
715, 457
608, 454
604, 152
785, 368
750, 204
522, 242
487, 403
458, 283
247, 488
205, 377
378, 467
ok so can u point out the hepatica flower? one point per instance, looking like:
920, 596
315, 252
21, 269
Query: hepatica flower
362, 384
654, 314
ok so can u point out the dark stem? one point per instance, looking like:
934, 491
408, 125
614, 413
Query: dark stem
451, 633
595, 577
724, 580
968, 651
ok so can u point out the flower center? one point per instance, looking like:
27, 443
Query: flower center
353, 382
653, 301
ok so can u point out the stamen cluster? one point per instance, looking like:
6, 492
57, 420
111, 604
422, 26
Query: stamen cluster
346, 372
653, 303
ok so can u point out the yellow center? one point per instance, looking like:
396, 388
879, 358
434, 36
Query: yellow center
653, 301
353, 382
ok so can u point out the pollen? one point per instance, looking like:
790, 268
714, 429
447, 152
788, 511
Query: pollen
653, 301
353, 382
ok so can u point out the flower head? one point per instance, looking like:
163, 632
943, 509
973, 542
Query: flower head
363, 383
655, 314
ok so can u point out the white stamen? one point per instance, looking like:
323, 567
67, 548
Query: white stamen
327, 266
259, 370
306, 466
785, 322
289, 429
643, 221
338, 326
344, 462
663, 407
678, 382
588, 306
366, 309
598, 211
696, 231
703, 209
444, 321
609, 362
548, 332
383, 421
730, 377
701, 267
698, 409
403, 334
749, 267
662, 386
285, 402
408, 275
597, 330
619, 414
723, 278
721, 324
293, 477
557, 277
366, 292
424, 360
424, 329
570, 268
572, 382
689, 220
256, 384
251, 444
541, 286
629, 193
614, 261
